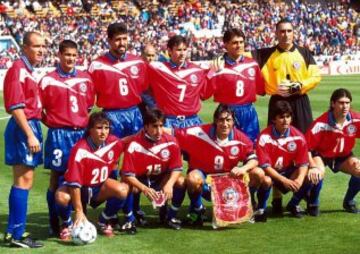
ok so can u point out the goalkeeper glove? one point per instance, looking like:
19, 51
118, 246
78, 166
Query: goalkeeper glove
295, 87
218, 63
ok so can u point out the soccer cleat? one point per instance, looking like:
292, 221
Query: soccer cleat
65, 233
7, 238
313, 210
106, 229
295, 211
129, 228
260, 215
194, 219
140, 218
25, 242
350, 207
115, 223
277, 209
174, 223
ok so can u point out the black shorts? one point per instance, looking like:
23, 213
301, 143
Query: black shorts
300, 104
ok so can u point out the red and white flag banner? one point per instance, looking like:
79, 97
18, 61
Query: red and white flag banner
231, 200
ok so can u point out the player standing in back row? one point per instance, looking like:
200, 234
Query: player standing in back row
67, 95
178, 86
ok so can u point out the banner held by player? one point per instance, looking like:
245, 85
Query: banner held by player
231, 200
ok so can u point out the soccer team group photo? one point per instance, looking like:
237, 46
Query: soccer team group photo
172, 126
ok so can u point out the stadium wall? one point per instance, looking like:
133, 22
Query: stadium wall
334, 68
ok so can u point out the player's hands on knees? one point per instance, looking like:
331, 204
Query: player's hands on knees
79, 218
218, 63
314, 175
168, 191
291, 185
150, 193
238, 171
33, 144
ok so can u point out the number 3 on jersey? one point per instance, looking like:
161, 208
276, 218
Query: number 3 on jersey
123, 87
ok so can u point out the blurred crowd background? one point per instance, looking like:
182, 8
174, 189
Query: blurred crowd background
330, 29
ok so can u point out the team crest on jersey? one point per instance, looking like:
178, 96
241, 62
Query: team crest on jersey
134, 70
351, 130
291, 147
230, 196
251, 72
83, 87
165, 154
111, 155
193, 78
234, 150
296, 65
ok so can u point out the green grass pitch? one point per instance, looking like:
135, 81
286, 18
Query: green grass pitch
333, 232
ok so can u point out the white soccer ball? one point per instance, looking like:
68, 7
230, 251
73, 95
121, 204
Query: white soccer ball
84, 233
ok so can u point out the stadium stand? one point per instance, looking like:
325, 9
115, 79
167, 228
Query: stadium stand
330, 29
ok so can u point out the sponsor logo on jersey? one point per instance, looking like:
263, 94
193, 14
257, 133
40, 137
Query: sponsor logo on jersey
165, 154
230, 196
193, 78
134, 70
296, 65
111, 155
291, 146
251, 72
83, 87
351, 130
234, 150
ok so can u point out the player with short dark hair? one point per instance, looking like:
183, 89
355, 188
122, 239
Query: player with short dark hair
67, 95
178, 86
152, 164
238, 82
283, 154
23, 136
331, 139
216, 148
87, 178
120, 79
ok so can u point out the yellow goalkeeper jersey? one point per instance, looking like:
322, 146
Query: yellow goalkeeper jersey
297, 63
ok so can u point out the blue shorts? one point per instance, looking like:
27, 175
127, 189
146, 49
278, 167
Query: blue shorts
125, 122
16, 146
58, 145
335, 163
182, 121
246, 120
89, 195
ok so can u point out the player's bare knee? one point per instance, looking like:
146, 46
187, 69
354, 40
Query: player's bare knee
267, 182
62, 198
256, 177
194, 181
180, 182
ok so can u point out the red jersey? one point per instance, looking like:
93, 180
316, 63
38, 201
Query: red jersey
66, 100
119, 83
178, 91
331, 141
209, 155
89, 166
21, 90
282, 152
237, 83
144, 157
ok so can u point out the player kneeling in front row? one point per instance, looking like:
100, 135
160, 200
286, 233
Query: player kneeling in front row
217, 148
283, 154
152, 164
331, 139
91, 161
